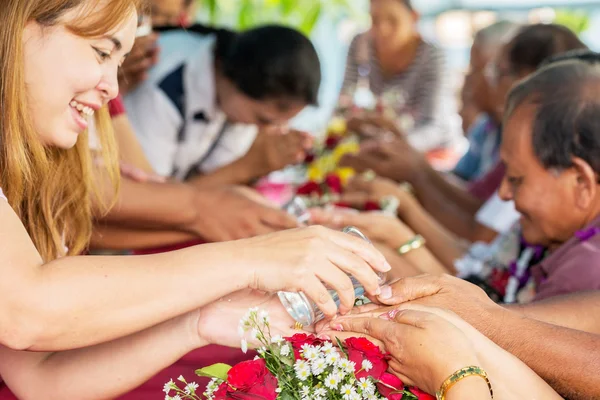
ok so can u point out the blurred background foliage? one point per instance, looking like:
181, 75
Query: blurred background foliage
301, 14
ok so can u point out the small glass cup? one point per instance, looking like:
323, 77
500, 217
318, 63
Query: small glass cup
304, 310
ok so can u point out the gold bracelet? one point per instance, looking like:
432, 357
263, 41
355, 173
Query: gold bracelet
413, 244
460, 375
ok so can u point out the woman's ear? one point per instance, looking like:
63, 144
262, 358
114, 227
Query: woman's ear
586, 185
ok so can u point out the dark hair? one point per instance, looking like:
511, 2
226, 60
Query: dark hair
586, 55
566, 95
271, 62
408, 4
535, 43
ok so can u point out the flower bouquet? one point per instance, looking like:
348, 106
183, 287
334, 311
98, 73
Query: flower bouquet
301, 367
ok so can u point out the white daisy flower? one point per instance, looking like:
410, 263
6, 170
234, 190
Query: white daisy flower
328, 348
367, 365
305, 393
318, 366
277, 339
263, 317
366, 386
168, 386
346, 366
191, 387
302, 369
285, 350
332, 381
332, 358
244, 346
309, 352
347, 391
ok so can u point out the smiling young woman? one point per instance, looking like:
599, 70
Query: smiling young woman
37, 133
59, 63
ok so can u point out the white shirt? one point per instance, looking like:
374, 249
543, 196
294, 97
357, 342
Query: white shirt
2, 196
498, 214
174, 113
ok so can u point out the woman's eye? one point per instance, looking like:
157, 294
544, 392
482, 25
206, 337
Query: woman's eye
102, 54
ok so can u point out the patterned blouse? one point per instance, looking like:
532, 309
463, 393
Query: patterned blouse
421, 88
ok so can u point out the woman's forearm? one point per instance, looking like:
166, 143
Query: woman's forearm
426, 262
443, 245
115, 237
96, 299
470, 389
103, 371
567, 359
155, 205
239, 172
453, 207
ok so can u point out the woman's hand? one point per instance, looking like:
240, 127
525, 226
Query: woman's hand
311, 260
377, 188
218, 322
275, 149
377, 226
425, 348
374, 125
395, 160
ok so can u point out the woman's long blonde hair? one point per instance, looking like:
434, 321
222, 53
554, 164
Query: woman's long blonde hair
51, 189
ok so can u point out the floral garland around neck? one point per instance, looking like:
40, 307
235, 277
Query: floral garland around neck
507, 281
518, 274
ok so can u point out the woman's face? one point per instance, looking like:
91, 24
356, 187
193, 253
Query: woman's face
482, 92
69, 77
548, 200
243, 109
393, 24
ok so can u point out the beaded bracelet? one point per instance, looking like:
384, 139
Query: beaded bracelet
460, 375
413, 244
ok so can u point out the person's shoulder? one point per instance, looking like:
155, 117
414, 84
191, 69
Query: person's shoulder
432, 52
180, 47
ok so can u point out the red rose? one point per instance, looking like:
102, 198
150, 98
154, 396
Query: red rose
389, 384
342, 204
331, 142
421, 395
334, 183
309, 188
310, 157
221, 392
300, 339
360, 349
248, 380
372, 206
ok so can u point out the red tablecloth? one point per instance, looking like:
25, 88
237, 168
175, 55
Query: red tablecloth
152, 390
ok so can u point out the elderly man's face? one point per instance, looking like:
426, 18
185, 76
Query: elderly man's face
548, 200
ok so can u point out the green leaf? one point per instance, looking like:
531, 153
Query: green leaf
341, 346
310, 19
287, 6
218, 371
212, 10
245, 16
